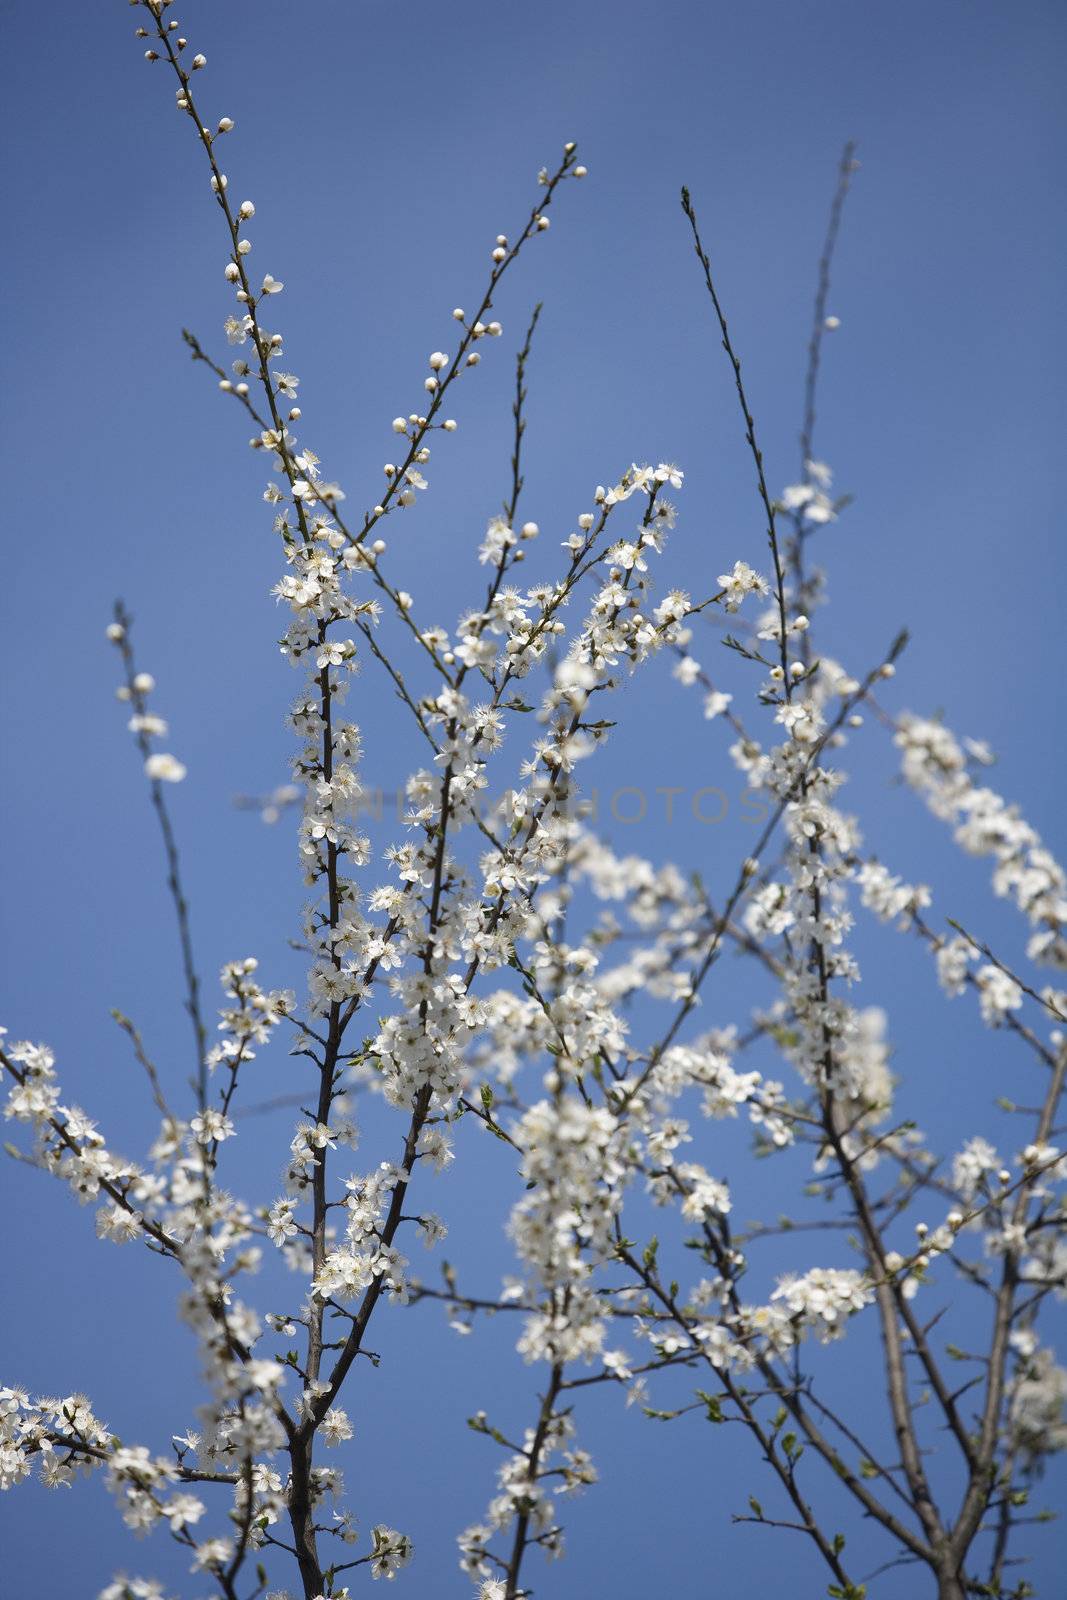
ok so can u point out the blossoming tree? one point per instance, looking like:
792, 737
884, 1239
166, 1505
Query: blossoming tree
488, 977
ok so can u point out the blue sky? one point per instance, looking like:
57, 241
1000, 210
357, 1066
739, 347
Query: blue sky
385, 148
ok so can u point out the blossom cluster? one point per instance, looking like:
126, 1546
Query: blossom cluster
507, 970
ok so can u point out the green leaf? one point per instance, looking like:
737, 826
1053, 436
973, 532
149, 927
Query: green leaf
714, 1409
